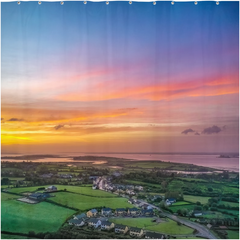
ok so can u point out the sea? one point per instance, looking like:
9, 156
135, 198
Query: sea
206, 160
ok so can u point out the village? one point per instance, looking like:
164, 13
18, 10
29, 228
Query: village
151, 203
99, 220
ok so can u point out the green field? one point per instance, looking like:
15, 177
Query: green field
169, 227
189, 207
25, 189
8, 196
218, 215
22, 217
233, 234
81, 190
180, 203
231, 204
235, 212
9, 236
143, 183
194, 199
83, 202
192, 179
85, 190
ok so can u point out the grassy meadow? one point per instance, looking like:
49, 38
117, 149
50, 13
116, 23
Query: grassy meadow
194, 199
168, 227
21, 217
81, 190
10, 236
83, 202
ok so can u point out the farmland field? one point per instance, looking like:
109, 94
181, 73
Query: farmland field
85, 190
180, 203
194, 199
231, 204
10, 236
85, 202
233, 234
7, 196
189, 207
81, 190
192, 179
218, 215
169, 227
143, 183
22, 217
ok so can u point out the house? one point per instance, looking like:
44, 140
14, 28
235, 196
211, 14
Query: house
136, 232
209, 226
65, 175
92, 213
94, 222
138, 203
117, 174
130, 192
139, 188
133, 211
94, 178
106, 211
46, 175
76, 222
51, 189
120, 211
131, 201
148, 212
144, 206
153, 235
38, 196
106, 225
130, 187
197, 213
170, 201
119, 228
80, 216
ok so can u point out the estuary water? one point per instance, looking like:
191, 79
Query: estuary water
207, 160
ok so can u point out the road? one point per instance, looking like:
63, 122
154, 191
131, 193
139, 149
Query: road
203, 231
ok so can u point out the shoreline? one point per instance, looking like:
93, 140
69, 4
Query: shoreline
102, 160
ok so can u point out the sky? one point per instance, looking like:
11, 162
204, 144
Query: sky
119, 77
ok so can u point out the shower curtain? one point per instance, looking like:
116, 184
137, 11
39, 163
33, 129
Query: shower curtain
116, 80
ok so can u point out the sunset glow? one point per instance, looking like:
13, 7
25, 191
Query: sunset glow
85, 79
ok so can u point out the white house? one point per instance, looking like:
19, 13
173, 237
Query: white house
170, 201
153, 235
51, 189
119, 228
76, 222
136, 232
106, 225
93, 222
106, 211
197, 213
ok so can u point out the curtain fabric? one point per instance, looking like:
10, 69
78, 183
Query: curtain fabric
120, 77
152, 81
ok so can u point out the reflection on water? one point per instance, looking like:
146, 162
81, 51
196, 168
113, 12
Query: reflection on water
205, 160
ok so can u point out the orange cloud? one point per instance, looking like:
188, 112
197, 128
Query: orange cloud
162, 91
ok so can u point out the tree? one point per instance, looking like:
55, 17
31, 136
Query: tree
5, 181
210, 189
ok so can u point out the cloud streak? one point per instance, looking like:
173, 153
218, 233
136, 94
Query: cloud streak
58, 126
212, 130
15, 120
189, 130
